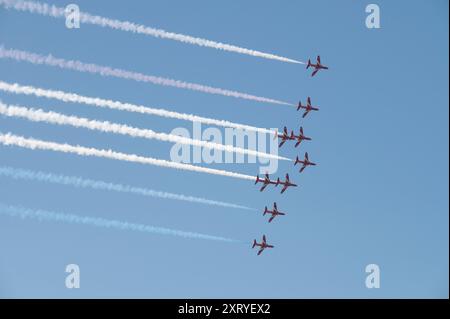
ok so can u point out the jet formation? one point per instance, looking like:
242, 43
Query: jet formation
284, 136
266, 181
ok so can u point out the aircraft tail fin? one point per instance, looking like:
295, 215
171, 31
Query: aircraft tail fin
299, 105
254, 243
296, 161
309, 64
265, 210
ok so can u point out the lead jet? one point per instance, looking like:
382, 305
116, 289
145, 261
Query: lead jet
265, 181
305, 162
300, 137
284, 137
275, 212
308, 108
286, 184
262, 246
318, 66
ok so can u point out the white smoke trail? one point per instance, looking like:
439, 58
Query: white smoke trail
16, 211
31, 143
58, 12
116, 105
28, 175
49, 60
38, 115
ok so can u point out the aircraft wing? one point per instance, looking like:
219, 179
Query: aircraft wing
271, 218
306, 113
315, 71
263, 187
260, 251
284, 188
302, 169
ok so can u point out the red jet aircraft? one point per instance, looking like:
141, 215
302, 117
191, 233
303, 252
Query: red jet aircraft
262, 246
305, 162
287, 183
318, 66
275, 212
266, 181
307, 107
300, 137
284, 137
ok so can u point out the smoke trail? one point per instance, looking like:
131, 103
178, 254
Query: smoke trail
31, 143
72, 97
58, 12
16, 173
49, 60
108, 127
15, 211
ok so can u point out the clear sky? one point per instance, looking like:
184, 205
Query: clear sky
379, 194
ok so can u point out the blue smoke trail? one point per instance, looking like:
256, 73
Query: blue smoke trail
23, 174
24, 213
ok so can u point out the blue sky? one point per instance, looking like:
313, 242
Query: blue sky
379, 194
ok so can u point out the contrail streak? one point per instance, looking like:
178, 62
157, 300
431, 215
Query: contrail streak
58, 12
38, 115
29, 175
31, 143
49, 60
116, 105
43, 215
